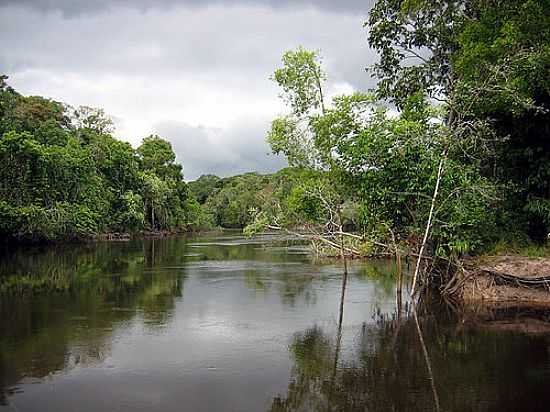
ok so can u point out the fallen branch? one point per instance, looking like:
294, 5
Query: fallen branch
540, 282
317, 237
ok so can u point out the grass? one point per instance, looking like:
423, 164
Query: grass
518, 248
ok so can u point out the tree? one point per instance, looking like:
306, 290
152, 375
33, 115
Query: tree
415, 40
28, 114
408, 179
505, 57
488, 62
3, 83
301, 79
130, 215
204, 187
91, 118
157, 156
63, 175
484, 60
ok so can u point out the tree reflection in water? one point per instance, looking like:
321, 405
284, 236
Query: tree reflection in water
415, 362
89, 296
61, 304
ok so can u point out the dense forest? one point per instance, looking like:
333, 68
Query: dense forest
464, 163
64, 176
233, 202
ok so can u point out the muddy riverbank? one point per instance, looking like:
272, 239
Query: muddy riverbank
507, 281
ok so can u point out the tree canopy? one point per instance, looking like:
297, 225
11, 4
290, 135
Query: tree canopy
63, 175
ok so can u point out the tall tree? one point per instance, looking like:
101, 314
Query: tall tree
158, 156
488, 62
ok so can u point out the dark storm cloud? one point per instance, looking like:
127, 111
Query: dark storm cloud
203, 150
76, 7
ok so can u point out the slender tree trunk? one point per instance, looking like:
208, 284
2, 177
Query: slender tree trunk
428, 362
398, 292
339, 330
345, 262
321, 96
429, 223
152, 216
344, 279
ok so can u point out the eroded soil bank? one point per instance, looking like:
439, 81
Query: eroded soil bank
507, 281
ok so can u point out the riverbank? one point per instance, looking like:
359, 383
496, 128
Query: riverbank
506, 281
145, 234
104, 237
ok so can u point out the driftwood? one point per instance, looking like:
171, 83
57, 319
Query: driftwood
319, 238
539, 282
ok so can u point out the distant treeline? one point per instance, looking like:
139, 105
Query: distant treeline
232, 202
64, 176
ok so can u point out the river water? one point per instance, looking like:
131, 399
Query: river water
224, 323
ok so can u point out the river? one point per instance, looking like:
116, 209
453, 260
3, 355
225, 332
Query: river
225, 323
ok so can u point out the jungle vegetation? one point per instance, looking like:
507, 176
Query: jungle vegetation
448, 155
463, 159
64, 176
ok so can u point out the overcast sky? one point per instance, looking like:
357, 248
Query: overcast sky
193, 71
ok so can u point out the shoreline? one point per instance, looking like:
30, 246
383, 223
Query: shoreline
506, 281
491, 282
104, 237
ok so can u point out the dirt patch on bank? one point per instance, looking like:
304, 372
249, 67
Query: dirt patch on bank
527, 326
520, 266
504, 281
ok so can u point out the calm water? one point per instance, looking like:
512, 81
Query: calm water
229, 324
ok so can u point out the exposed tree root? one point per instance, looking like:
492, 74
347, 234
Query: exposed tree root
541, 282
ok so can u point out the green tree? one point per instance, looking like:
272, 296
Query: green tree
488, 62
157, 156
63, 175
91, 118
301, 79
204, 187
415, 40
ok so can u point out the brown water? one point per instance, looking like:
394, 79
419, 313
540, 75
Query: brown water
229, 324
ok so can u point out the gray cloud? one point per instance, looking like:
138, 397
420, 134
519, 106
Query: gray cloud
236, 42
203, 150
77, 7
173, 67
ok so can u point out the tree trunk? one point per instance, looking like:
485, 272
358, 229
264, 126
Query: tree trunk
429, 223
152, 216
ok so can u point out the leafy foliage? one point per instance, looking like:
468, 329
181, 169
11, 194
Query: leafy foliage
232, 201
63, 175
374, 172
301, 79
488, 62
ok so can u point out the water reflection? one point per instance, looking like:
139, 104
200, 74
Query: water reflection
417, 364
227, 323
59, 306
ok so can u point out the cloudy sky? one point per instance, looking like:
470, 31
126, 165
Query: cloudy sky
193, 71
